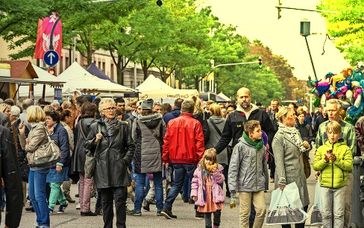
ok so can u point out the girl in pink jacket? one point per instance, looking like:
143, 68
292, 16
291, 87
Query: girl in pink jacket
206, 188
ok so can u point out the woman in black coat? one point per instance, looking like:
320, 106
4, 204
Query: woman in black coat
111, 143
88, 113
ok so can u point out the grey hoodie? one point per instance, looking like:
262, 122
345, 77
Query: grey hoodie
214, 137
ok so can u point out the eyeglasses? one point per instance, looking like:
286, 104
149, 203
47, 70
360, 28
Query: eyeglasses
109, 109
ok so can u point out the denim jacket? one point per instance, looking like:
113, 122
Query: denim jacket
197, 187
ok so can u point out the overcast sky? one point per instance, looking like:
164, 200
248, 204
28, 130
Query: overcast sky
257, 19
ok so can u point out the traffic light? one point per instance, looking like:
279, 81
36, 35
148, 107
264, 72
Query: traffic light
260, 61
159, 2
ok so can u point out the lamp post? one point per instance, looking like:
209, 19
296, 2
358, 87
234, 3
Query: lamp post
305, 31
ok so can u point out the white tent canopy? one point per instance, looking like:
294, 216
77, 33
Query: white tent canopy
77, 78
155, 88
50, 81
223, 97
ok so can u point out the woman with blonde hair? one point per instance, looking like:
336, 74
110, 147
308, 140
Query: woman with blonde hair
288, 148
37, 175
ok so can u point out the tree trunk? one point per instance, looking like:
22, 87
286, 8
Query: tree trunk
89, 53
120, 70
145, 68
197, 82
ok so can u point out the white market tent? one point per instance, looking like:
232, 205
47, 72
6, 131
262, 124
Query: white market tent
155, 88
223, 97
50, 82
77, 78
73, 78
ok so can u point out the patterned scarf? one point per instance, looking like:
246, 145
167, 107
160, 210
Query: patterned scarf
111, 126
293, 135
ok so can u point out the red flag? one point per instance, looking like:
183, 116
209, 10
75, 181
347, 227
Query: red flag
45, 41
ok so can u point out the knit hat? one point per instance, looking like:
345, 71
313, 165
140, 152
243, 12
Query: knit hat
147, 104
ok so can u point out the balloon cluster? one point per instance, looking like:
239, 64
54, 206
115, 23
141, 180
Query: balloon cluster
347, 87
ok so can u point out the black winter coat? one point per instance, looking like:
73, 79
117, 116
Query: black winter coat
234, 127
81, 131
9, 171
113, 154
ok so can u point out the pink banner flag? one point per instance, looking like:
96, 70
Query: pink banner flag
45, 40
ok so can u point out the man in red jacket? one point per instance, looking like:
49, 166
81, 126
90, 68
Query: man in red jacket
183, 147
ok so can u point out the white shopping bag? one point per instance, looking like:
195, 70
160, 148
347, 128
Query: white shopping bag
286, 207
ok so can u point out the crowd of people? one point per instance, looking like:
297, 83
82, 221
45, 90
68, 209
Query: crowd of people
152, 152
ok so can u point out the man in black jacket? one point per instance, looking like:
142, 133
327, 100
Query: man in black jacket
9, 172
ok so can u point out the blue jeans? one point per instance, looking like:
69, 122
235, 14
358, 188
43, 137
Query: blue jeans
180, 172
38, 197
140, 193
186, 189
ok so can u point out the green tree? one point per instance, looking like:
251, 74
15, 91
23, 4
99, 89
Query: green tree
263, 83
346, 24
18, 23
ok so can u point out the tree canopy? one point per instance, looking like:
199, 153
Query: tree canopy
178, 38
345, 19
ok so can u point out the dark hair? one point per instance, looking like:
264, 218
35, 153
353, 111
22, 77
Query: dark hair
54, 115
166, 108
232, 106
178, 103
9, 101
119, 100
250, 125
82, 99
88, 109
65, 113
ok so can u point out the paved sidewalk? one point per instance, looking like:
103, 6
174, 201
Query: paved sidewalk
185, 213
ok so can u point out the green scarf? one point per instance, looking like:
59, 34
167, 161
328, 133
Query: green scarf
256, 144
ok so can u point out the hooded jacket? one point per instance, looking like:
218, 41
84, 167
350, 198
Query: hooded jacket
148, 132
334, 174
214, 137
171, 115
198, 188
248, 168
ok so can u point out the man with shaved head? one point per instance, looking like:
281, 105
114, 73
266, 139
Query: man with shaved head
245, 111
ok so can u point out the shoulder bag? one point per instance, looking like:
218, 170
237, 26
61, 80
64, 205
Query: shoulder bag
46, 155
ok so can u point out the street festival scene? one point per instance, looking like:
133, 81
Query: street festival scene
182, 113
